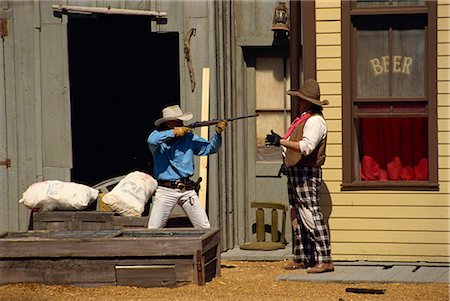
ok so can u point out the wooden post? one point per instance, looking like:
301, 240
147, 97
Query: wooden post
260, 226
203, 172
274, 228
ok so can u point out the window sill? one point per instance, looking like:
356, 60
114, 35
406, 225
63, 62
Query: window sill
397, 185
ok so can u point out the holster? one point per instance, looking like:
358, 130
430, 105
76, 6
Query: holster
282, 170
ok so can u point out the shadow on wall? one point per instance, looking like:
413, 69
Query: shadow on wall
325, 204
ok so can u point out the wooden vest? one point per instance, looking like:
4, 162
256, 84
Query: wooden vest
316, 158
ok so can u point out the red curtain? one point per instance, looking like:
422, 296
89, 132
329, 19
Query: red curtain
394, 149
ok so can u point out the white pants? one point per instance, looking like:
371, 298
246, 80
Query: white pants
166, 198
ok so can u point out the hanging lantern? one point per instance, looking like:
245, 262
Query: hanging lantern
280, 17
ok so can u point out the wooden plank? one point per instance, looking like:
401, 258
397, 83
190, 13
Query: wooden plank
334, 137
443, 61
443, 99
145, 243
82, 271
419, 251
334, 149
120, 222
443, 23
443, 138
394, 257
391, 236
386, 224
330, 76
204, 133
332, 172
328, 4
68, 9
444, 74
444, 87
331, 88
444, 149
328, 52
328, 27
374, 198
443, 9
55, 112
436, 212
335, 102
444, 175
328, 14
146, 275
334, 188
3, 146
329, 63
73, 220
443, 36
332, 112
13, 119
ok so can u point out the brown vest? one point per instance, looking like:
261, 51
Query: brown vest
316, 158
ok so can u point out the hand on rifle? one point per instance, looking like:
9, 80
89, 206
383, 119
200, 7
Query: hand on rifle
273, 139
180, 131
221, 126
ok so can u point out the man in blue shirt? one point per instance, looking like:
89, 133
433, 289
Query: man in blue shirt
173, 147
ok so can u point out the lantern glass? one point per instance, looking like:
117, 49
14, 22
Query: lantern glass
280, 17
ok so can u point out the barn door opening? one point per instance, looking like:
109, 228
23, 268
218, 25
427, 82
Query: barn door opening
121, 76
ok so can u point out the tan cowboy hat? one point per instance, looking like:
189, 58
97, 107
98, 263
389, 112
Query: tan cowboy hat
309, 91
173, 113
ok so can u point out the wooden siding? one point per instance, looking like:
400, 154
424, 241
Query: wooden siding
381, 225
37, 91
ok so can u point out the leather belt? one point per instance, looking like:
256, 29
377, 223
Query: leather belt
179, 184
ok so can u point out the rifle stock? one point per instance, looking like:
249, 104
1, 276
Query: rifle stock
216, 121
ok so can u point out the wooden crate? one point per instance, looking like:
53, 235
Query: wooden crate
73, 220
98, 220
145, 258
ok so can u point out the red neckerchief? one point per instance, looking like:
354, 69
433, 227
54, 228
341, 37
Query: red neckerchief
296, 123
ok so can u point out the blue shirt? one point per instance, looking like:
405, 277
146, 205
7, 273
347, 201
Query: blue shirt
169, 152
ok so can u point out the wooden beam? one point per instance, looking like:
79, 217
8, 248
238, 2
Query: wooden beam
203, 172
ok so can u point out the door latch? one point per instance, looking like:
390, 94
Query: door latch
6, 162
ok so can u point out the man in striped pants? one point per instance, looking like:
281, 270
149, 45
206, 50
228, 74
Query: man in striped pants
304, 147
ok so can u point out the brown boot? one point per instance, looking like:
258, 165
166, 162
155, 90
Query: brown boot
321, 268
292, 265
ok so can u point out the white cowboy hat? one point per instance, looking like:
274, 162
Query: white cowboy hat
173, 113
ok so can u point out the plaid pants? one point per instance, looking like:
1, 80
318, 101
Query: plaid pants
311, 235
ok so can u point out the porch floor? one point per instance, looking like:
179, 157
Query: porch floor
351, 271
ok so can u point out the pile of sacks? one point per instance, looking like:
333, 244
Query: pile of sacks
127, 198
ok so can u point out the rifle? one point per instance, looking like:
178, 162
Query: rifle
216, 121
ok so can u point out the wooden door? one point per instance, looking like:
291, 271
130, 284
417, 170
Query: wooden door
3, 140
8, 132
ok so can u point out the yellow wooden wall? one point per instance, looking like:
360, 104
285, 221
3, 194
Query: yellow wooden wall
382, 225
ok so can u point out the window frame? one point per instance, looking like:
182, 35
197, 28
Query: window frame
348, 10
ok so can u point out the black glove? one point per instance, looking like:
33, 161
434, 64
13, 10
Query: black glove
273, 139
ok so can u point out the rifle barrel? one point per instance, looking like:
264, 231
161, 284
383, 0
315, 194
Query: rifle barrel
241, 117
216, 121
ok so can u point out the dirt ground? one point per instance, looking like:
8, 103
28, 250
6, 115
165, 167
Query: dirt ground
240, 280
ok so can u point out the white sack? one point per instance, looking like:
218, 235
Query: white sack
130, 195
57, 195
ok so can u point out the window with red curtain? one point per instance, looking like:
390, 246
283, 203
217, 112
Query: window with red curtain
389, 95
390, 108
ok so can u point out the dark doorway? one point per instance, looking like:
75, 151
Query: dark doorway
121, 76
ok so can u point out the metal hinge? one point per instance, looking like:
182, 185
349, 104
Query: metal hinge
6, 162
3, 27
